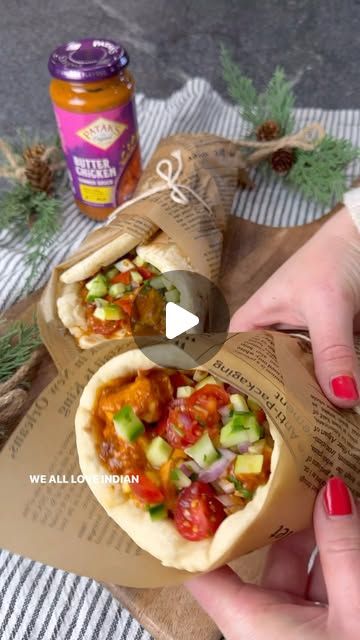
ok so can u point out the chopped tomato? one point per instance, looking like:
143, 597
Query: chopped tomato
179, 379
126, 303
198, 513
260, 415
125, 278
145, 273
181, 428
146, 490
205, 402
104, 327
160, 428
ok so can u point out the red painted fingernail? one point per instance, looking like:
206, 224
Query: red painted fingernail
337, 499
345, 387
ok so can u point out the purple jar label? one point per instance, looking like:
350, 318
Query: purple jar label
97, 147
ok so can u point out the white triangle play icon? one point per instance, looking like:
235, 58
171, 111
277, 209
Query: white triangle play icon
178, 320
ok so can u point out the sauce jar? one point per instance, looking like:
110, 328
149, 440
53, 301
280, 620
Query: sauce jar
92, 93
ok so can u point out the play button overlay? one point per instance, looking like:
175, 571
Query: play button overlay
182, 310
178, 320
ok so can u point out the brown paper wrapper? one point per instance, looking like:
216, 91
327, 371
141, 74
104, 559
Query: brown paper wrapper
210, 168
63, 525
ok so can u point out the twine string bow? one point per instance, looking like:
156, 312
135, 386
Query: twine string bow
169, 176
306, 139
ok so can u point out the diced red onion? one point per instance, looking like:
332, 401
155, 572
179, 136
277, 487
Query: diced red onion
215, 470
226, 500
231, 389
186, 470
225, 486
178, 402
224, 411
226, 453
192, 465
243, 447
184, 420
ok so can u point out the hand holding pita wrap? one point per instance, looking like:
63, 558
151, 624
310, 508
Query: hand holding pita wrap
318, 288
290, 603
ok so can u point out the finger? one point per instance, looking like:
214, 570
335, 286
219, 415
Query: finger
316, 588
259, 311
336, 364
233, 604
286, 567
337, 530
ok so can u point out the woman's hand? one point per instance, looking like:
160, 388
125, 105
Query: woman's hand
291, 604
318, 288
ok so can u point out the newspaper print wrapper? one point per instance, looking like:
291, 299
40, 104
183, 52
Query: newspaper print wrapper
210, 168
63, 525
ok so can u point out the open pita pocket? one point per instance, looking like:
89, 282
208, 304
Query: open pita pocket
160, 252
160, 538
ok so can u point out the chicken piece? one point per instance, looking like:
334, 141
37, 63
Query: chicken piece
147, 394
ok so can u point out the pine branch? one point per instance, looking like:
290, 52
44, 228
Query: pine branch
319, 174
278, 102
240, 88
34, 216
16, 346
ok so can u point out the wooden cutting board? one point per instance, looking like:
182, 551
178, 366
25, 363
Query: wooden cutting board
251, 254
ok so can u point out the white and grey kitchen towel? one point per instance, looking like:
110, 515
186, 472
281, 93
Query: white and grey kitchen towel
36, 601
196, 107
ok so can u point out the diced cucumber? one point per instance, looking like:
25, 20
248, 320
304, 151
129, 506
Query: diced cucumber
109, 312
203, 451
248, 463
136, 277
257, 447
208, 380
124, 265
116, 290
98, 286
238, 402
100, 302
242, 427
157, 283
199, 375
179, 479
158, 512
184, 392
139, 262
158, 452
111, 273
93, 297
173, 295
127, 425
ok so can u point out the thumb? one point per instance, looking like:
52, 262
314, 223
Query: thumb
336, 364
337, 530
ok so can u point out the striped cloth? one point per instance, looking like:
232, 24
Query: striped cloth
36, 601
196, 107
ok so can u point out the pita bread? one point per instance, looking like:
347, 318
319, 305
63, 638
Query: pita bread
161, 253
160, 538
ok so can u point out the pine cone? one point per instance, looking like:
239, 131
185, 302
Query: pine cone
39, 175
282, 160
35, 151
267, 131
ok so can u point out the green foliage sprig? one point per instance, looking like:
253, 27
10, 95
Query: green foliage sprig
34, 216
16, 346
318, 174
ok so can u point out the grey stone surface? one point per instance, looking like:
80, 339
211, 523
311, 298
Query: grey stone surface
317, 41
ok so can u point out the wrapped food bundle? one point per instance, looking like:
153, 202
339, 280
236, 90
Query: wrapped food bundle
175, 223
218, 460
229, 458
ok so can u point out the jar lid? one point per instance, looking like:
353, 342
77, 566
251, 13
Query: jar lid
87, 60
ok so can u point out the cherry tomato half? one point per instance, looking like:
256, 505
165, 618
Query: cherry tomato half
181, 428
198, 513
205, 402
146, 490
